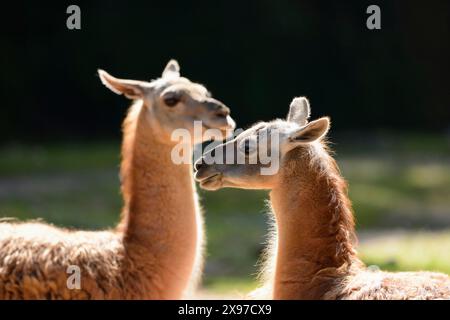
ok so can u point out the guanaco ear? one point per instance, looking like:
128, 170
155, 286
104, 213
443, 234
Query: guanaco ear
311, 132
299, 111
132, 89
172, 70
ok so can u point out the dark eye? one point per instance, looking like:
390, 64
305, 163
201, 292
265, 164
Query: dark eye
171, 101
247, 146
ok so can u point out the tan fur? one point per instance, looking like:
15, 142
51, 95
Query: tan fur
316, 258
149, 258
312, 252
156, 250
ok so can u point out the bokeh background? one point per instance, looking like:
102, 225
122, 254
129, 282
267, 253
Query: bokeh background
386, 91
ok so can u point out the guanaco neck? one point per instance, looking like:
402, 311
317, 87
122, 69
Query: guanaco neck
160, 217
314, 224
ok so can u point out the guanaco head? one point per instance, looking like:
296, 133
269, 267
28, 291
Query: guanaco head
174, 102
253, 158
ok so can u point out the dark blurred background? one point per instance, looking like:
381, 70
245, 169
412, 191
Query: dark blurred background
255, 55
387, 92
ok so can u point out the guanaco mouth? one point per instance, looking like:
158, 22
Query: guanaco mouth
206, 179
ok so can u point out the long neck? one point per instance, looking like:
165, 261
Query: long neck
314, 223
160, 219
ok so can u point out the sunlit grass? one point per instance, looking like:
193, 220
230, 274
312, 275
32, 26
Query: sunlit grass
409, 252
23, 160
237, 285
403, 251
391, 192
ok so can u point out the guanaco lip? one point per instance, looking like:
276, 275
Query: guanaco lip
207, 179
228, 124
219, 127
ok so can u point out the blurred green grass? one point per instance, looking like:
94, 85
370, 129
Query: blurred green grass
412, 251
399, 181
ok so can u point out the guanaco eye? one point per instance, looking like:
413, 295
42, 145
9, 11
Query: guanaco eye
171, 101
247, 146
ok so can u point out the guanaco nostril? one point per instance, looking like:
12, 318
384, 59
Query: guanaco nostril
198, 165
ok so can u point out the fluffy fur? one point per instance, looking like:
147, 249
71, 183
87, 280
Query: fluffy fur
325, 264
153, 253
156, 250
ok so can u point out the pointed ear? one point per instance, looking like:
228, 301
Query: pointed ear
311, 132
132, 89
172, 70
299, 111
